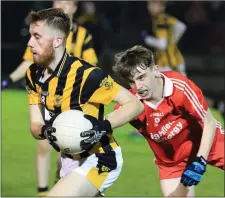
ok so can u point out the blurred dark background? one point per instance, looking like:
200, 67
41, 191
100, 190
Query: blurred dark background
117, 25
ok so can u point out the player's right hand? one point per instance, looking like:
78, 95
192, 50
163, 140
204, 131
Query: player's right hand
47, 133
5, 83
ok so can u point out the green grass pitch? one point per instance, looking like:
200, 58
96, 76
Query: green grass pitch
139, 176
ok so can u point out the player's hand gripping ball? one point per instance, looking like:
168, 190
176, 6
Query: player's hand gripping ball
66, 132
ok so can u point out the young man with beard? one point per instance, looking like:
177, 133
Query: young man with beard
57, 82
176, 122
79, 44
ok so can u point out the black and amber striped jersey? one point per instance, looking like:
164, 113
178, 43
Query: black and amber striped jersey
79, 43
163, 28
74, 84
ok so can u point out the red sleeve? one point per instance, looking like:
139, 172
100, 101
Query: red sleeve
193, 99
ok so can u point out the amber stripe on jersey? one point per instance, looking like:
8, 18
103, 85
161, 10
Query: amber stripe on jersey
29, 80
51, 93
81, 33
70, 80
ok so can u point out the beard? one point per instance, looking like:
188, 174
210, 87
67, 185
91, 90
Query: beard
46, 58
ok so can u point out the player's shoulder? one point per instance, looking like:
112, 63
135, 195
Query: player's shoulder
34, 68
173, 75
177, 80
163, 16
79, 28
75, 60
82, 28
168, 15
34, 72
93, 71
180, 82
170, 18
98, 74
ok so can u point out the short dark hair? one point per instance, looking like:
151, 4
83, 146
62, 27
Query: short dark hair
54, 17
127, 61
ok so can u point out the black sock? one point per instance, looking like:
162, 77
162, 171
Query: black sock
42, 189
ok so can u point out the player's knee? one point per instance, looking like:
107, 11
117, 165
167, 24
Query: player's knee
173, 188
66, 186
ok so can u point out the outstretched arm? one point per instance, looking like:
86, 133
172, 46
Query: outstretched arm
130, 108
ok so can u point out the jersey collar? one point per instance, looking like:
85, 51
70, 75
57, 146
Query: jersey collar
168, 86
61, 64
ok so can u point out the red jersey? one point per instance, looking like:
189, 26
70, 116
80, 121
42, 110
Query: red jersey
173, 127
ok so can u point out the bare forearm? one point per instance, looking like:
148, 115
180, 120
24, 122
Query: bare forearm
126, 113
36, 131
36, 120
207, 139
20, 71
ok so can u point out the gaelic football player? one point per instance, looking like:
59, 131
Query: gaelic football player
57, 82
79, 44
176, 122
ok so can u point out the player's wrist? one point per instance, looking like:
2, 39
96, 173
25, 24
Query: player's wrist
201, 160
106, 125
48, 124
43, 129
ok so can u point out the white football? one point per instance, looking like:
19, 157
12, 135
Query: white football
69, 124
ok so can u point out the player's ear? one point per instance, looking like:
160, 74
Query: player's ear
156, 67
156, 71
58, 40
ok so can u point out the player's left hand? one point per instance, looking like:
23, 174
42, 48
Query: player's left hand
193, 174
94, 135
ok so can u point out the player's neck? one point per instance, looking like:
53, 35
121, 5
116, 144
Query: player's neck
58, 56
159, 94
